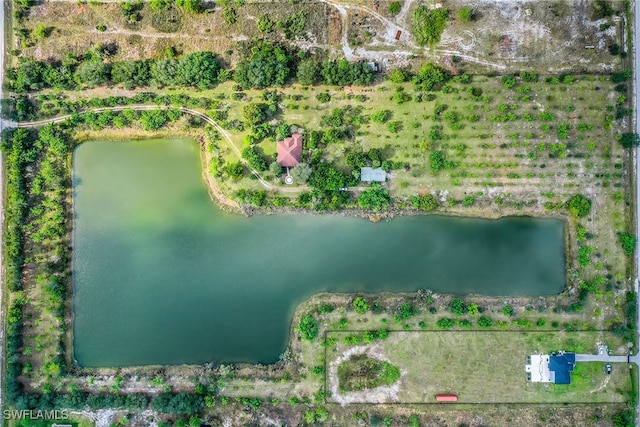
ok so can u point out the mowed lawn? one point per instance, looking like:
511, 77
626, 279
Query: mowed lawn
489, 367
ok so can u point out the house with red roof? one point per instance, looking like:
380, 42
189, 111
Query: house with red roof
290, 151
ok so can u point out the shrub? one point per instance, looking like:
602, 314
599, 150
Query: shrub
394, 7
507, 310
381, 116
254, 158
444, 323
374, 198
628, 242
584, 254
308, 327
458, 306
425, 202
579, 206
436, 159
465, 14
405, 311
629, 140
360, 305
508, 82
428, 24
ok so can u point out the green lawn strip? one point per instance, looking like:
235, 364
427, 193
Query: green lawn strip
489, 367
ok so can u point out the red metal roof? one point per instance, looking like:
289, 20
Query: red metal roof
446, 398
290, 151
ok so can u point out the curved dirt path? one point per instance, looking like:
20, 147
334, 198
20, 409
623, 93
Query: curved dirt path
185, 110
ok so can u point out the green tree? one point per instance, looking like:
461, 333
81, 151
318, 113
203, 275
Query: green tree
436, 159
344, 73
374, 198
308, 72
428, 24
465, 14
229, 15
198, 69
131, 74
507, 310
254, 158
381, 116
485, 322
191, 6
458, 306
254, 114
399, 76
268, 65
265, 24
308, 327
165, 72
360, 305
629, 140
235, 170
301, 172
579, 206
444, 323
326, 177
395, 7
472, 309
275, 169
93, 73
429, 77
153, 119
41, 32
628, 242
425, 202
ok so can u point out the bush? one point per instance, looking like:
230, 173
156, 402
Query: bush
381, 116
308, 327
445, 323
458, 306
374, 198
425, 202
428, 24
629, 140
485, 322
430, 77
360, 305
628, 242
584, 254
507, 310
153, 119
465, 14
436, 159
579, 206
254, 158
405, 311
395, 7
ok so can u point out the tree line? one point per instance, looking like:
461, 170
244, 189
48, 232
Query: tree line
266, 65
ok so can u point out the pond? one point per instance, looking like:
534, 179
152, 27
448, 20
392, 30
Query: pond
162, 276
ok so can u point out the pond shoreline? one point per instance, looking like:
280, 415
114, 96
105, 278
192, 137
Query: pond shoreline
352, 213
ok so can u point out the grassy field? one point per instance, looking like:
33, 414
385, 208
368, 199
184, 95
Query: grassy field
487, 367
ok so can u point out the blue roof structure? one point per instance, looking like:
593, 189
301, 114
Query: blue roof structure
373, 175
561, 365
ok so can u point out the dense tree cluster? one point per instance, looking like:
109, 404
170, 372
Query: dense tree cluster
579, 206
428, 24
268, 65
198, 69
374, 198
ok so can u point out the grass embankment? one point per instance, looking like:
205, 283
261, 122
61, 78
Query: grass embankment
488, 367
